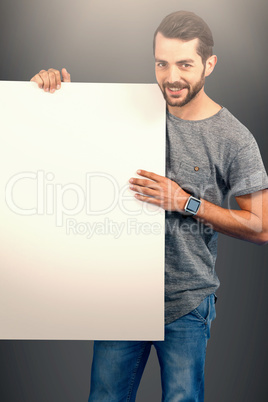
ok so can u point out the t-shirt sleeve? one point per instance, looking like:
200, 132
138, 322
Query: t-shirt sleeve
247, 173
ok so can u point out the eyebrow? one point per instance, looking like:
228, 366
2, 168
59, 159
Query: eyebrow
179, 62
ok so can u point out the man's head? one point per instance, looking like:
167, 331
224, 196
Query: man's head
183, 57
185, 25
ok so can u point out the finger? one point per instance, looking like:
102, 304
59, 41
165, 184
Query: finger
52, 80
57, 77
145, 190
38, 80
44, 76
144, 183
150, 175
66, 77
150, 200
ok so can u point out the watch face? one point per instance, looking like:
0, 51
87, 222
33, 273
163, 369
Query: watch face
193, 205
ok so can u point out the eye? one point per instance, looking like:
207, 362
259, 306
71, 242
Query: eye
185, 65
161, 64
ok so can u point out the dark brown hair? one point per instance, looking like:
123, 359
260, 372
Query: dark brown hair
186, 25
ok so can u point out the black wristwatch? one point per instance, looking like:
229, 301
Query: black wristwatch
192, 205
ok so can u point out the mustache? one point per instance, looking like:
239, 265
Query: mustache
177, 84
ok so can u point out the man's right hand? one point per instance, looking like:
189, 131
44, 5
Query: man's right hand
50, 80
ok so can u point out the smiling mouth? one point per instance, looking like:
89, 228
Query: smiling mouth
175, 91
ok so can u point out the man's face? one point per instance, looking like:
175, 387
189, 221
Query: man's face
179, 70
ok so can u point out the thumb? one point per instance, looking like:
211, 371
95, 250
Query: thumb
65, 75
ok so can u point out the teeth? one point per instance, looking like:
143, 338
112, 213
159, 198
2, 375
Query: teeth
175, 89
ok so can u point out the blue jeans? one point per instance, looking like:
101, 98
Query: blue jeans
117, 366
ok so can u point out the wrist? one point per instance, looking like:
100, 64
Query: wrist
181, 201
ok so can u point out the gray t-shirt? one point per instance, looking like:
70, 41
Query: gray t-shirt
211, 158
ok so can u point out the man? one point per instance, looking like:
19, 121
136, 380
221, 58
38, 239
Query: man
209, 155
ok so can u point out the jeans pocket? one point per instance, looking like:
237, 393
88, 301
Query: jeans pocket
202, 311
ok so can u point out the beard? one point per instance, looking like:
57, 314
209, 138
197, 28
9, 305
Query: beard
174, 100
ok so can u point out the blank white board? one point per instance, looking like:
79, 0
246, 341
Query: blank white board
80, 257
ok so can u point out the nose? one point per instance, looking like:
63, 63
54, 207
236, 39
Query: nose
173, 74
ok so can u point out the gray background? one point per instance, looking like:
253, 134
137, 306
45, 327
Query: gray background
111, 41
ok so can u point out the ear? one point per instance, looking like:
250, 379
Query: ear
210, 64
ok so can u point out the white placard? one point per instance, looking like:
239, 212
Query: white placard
80, 257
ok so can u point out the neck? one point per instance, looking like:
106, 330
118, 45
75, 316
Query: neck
199, 108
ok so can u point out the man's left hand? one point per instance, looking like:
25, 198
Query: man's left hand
159, 190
